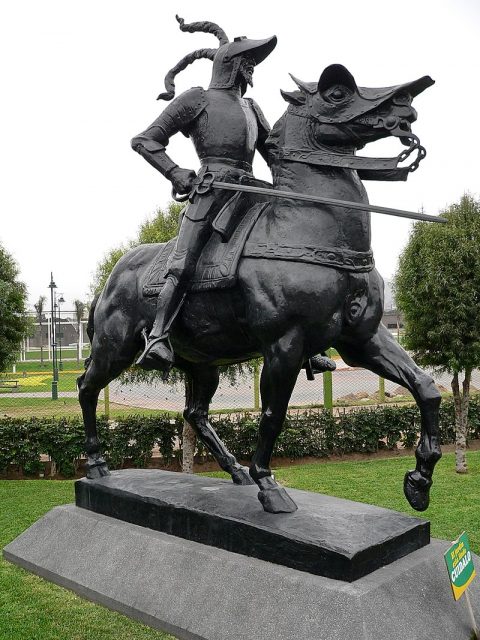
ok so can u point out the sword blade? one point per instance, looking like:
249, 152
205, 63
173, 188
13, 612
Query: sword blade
361, 206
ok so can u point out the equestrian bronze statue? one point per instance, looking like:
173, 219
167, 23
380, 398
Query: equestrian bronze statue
256, 275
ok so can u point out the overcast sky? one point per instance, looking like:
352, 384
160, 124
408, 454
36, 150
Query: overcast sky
80, 79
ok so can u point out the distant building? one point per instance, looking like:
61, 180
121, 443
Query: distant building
393, 320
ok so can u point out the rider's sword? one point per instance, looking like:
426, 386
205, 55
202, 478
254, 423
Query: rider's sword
209, 182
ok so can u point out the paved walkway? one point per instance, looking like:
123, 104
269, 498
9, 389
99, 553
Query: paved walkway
38, 394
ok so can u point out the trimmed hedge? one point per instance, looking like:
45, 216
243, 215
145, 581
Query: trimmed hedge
133, 437
316, 432
312, 432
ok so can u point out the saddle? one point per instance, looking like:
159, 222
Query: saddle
218, 265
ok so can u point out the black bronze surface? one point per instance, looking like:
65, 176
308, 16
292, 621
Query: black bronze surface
305, 280
327, 536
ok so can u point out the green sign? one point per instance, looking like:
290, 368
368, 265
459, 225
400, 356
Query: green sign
460, 565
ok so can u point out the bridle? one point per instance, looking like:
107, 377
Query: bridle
369, 168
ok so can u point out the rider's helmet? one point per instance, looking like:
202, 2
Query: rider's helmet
227, 58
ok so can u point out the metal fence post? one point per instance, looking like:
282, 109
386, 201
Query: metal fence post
106, 400
328, 389
381, 389
256, 386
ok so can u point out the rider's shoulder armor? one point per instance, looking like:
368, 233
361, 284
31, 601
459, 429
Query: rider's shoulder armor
177, 116
186, 108
261, 119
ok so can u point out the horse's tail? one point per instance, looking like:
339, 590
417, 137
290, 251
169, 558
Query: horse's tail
90, 326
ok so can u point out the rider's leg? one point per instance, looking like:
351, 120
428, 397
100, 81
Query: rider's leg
192, 237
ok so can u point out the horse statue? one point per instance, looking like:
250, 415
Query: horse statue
298, 278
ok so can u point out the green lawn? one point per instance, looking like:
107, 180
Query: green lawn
67, 352
36, 382
32, 609
63, 407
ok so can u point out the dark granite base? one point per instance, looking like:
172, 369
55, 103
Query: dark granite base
327, 536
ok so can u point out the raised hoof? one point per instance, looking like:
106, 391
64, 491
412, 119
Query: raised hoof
97, 469
240, 475
276, 500
417, 490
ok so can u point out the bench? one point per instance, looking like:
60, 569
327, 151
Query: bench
9, 384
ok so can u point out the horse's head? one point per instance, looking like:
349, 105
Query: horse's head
339, 117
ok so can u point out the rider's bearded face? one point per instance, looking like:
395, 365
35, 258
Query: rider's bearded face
245, 73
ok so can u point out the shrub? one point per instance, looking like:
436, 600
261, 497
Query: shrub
313, 432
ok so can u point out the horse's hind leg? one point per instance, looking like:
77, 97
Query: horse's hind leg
100, 372
202, 382
385, 357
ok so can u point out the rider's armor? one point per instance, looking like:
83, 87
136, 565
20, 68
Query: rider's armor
226, 129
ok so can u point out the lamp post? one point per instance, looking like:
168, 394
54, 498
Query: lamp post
60, 301
52, 286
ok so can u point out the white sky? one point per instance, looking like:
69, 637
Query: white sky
79, 80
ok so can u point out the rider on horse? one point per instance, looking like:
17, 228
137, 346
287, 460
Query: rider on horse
226, 129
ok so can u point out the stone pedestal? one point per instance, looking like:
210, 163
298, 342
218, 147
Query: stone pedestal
200, 592
327, 536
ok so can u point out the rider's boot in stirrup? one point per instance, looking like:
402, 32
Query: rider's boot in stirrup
318, 364
158, 352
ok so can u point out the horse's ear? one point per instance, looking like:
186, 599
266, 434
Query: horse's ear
305, 87
336, 74
293, 97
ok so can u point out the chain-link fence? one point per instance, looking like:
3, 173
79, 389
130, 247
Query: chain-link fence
27, 389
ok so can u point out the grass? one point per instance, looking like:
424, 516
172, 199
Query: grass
64, 407
37, 367
67, 352
33, 609
35, 382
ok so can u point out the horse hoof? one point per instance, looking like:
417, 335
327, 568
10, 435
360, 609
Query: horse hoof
276, 500
417, 490
97, 469
240, 475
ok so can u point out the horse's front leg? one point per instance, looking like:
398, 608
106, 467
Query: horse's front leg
282, 363
385, 357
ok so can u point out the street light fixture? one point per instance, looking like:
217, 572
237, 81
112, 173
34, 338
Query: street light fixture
52, 286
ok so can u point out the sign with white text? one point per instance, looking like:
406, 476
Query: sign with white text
460, 565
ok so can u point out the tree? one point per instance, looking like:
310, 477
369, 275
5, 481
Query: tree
79, 313
438, 289
161, 228
39, 308
14, 323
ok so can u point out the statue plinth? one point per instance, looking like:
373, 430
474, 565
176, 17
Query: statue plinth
327, 536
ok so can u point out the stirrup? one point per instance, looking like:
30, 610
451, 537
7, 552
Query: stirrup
168, 363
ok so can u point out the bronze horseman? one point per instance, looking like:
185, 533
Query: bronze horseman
226, 128
263, 286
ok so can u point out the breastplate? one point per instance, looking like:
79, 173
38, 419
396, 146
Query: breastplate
227, 128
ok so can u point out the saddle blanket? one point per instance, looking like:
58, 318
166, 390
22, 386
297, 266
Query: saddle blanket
217, 267
218, 264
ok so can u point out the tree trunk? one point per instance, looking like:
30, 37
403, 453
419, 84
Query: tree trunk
188, 451
461, 421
